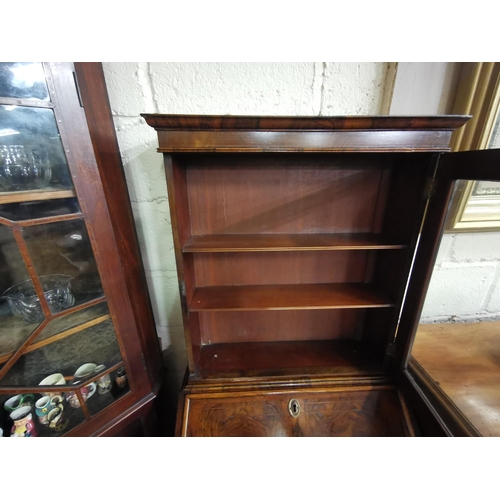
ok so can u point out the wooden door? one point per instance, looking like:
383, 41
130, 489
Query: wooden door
448, 342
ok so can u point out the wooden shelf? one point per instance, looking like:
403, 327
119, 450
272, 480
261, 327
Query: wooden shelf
283, 297
287, 242
320, 357
36, 195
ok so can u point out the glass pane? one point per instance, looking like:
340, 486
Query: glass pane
37, 415
458, 338
60, 361
483, 207
63, 249
23, 80
12, 339
38, 209
31, 152
93, 314
110, 387
16, 323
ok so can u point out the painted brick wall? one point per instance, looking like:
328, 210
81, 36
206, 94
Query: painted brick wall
465, 281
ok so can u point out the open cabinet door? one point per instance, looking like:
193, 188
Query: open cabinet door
447, 349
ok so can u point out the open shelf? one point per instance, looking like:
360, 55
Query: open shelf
283, 297
287, 242
321, 357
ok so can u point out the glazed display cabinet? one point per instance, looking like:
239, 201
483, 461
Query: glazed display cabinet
304, 246
79, 354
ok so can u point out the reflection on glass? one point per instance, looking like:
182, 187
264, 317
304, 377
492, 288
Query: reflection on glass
64, 248
13, 329
108, 391
38, 209
37, 415
483, 205
23, 80
31, 152
458, 338
81, 319
61, 360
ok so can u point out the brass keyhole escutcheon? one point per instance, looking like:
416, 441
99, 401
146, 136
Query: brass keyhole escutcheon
294, 407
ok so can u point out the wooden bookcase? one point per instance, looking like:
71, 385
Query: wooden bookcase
294, 242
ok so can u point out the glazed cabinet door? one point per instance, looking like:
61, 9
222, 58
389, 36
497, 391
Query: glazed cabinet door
64, 310
448, 340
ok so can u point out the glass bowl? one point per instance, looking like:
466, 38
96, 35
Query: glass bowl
18, 172
23, 301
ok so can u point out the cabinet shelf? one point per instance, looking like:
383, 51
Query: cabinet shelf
36, 195
287, 242
322, 357
288, 297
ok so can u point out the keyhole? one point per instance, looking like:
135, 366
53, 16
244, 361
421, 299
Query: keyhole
294, 407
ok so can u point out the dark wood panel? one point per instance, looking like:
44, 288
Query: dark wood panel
181, 231
406, 204
282, 297
223, 269
252, 198
272, 141
251, 359
218, 122
259, 326
364, 412
288, 242
107, 241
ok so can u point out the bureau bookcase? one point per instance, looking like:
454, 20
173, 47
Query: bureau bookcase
294, 241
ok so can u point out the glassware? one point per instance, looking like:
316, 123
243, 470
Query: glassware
24, 302
18, 173
41, 167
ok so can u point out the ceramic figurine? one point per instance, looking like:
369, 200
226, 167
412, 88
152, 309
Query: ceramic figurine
18, 401
42, 408
23, 423
57, 419
121, 377
104, 384
86, 392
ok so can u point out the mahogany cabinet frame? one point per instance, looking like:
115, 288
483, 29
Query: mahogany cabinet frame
83, 114
419, 144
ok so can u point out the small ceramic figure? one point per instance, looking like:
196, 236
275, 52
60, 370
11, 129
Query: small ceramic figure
23, 423
121, 377
42, 408
18, 401
104, 384
57, 419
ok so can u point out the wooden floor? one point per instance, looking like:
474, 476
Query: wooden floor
464, 358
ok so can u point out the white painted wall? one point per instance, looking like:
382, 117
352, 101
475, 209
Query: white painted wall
465, 280
425, 88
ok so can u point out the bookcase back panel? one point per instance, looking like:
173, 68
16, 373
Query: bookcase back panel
261, 197
273, 268
270, 326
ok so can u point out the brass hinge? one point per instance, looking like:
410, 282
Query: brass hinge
391, 350
182, 286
